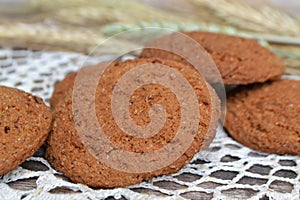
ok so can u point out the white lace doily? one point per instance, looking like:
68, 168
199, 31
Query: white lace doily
226, 170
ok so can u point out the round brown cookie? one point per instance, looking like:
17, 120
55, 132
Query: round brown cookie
240, 61
62, 88
24, 126
266, 117
67, 152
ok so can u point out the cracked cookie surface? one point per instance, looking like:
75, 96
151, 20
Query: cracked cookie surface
266, 117
68, 153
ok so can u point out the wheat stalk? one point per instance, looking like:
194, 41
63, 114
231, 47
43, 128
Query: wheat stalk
263, 19
91, 13
114, 28
41, 36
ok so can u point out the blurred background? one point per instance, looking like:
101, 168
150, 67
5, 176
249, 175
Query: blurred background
79, 25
